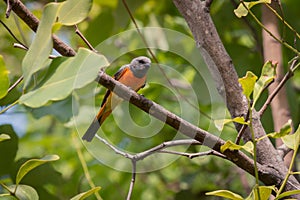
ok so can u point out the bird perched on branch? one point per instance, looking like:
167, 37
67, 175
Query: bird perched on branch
132, 75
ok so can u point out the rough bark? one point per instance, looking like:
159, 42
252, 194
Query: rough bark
197, 15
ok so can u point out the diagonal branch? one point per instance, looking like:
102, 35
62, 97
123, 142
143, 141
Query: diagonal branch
269, 175
24, 13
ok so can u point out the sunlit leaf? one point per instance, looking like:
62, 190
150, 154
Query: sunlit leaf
288, 193
242, 9
264, 193
4, 137
232, 146
292, 141
247, 83
36, 57
226, 194
73, 11
268, 74
74, 73
25, 192
86, 194
33, 163
4, 80
285, 130
221, 122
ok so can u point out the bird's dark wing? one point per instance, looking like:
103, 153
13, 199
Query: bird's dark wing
116, 76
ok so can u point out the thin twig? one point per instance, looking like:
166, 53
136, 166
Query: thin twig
132, 179
8, 9
157, 62
193, 155
280, 85
84, 165
15, 84
78, 32
11, 33
8, 107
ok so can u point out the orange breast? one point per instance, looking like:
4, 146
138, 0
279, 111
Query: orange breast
131, 81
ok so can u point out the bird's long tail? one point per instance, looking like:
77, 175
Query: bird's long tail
95, 125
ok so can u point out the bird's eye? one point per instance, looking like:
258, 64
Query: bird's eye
141, 61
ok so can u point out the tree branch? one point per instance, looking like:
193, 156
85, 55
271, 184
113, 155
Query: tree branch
268, 174
24, 13
197, 15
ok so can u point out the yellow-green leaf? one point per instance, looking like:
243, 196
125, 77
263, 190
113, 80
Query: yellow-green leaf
4, 137
86, 194
73, 73
288, 193
232, 146
219, 123
4, 79
264, 193
36, 57
285, 130
73, 11
226, 194
248, 83
292, 141
24, 192
268, 74
242, 9
33, 163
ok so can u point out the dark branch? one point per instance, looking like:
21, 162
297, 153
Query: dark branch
24, 13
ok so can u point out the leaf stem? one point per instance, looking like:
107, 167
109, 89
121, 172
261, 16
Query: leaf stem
8, 107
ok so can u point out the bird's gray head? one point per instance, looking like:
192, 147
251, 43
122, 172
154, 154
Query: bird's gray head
139, 66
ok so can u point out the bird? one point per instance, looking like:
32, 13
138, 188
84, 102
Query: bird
132, 75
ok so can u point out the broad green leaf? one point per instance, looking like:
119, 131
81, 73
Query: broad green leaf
226, 194
288, 193
36, 57
86, 194
264, 193
285, 130
25, 192
73, 11
247, 83
33, 163
242, 9
4, 80
268, 74
221, 122
4, 137
232, 146
74, 73
292, 141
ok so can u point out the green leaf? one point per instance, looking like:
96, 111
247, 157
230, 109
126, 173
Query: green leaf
4, 79
86, 194
268, 74
33, 163
4, 137
36, 57
73, 11
264, 193
292, 141
288, 193
24, 192
247, 83
232, 146
74, 73
226, 194
242, 9
221, 122
285, 130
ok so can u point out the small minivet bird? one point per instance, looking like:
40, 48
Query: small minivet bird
132, 75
